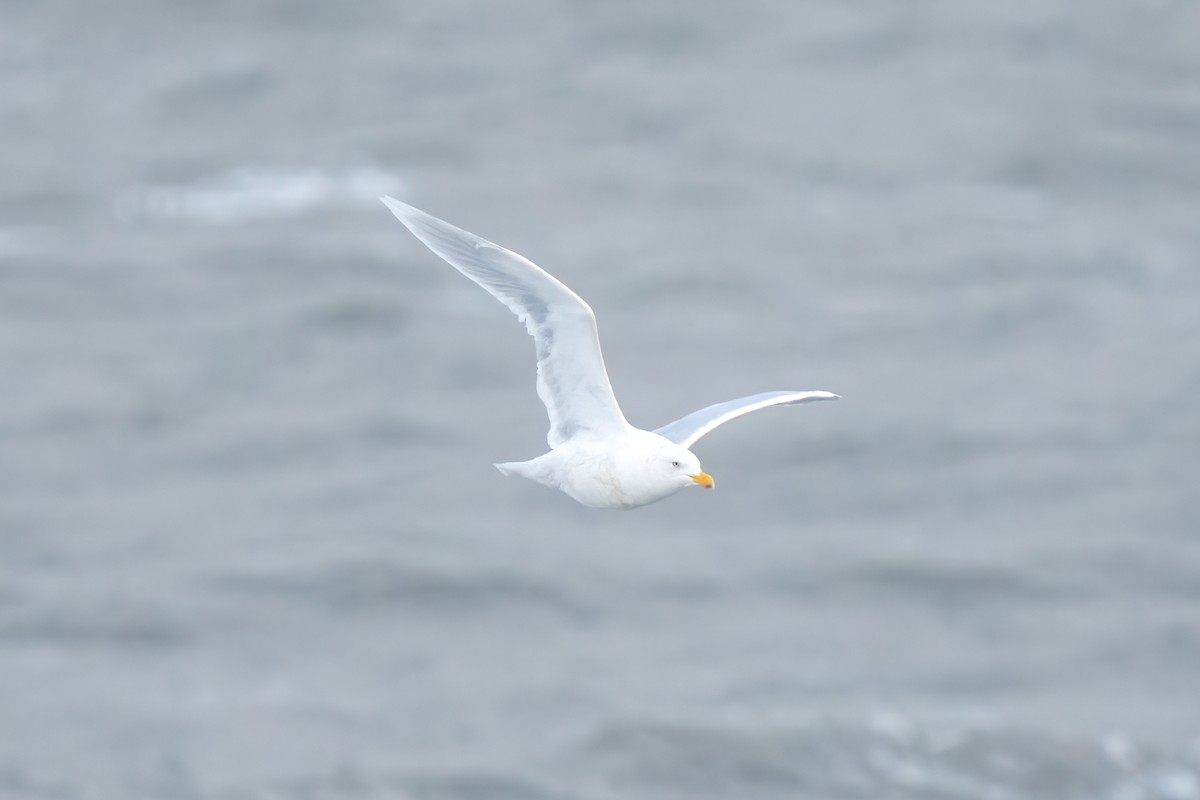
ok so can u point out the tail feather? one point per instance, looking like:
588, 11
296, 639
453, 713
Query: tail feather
536, 470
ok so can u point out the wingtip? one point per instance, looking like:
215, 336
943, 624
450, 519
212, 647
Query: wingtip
398, 207
401, 210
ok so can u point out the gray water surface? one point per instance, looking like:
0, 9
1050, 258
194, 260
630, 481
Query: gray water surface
251, 542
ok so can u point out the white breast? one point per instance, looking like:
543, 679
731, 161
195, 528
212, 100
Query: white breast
609, 474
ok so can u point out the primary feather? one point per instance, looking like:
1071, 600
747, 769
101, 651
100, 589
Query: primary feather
686, 430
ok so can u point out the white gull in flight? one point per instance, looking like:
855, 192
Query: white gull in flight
596, 457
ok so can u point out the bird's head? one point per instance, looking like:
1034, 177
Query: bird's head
681, 466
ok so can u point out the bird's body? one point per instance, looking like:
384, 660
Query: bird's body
596, 456
630, 470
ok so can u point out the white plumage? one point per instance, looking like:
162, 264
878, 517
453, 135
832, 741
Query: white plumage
595, 456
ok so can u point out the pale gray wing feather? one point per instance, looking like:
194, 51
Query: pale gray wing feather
571, 379
686, 430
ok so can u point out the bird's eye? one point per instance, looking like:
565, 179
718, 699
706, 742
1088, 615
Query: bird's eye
674, 463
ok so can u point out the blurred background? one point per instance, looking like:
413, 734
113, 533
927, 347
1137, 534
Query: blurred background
251, 541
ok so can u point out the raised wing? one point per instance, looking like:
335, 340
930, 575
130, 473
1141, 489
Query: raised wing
687, 430
571, 380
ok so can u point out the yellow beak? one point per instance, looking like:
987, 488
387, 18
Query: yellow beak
704, 479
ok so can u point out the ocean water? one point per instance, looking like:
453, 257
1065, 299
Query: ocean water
251, 542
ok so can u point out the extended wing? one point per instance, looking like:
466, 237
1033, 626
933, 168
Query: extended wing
686, 430
571, 379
